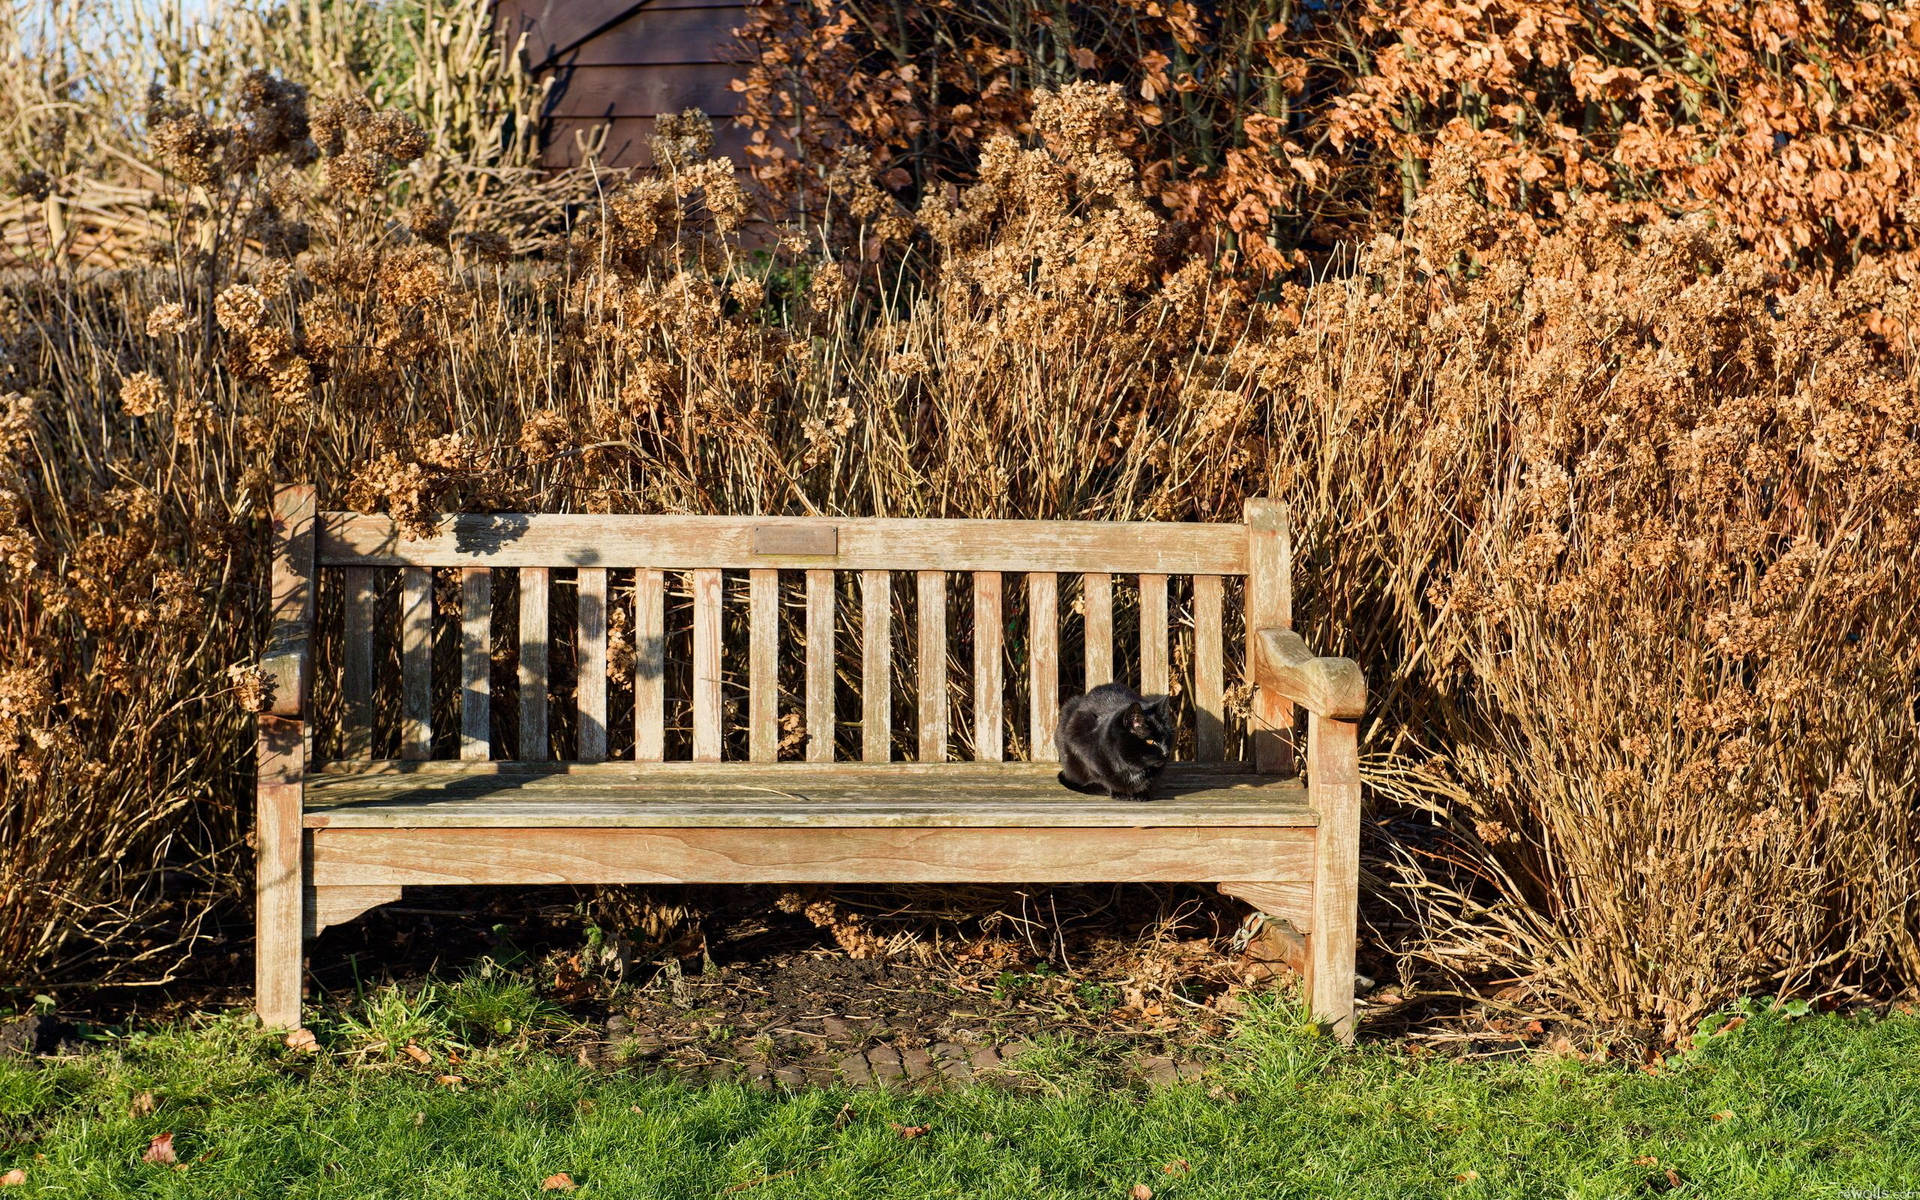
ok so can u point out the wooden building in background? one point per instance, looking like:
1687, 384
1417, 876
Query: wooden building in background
620, 63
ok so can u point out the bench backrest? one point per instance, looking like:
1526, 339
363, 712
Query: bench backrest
666, 592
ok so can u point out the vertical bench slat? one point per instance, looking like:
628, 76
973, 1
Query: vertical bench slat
650, 665
590, 659
356, 665
819, 666
876, 666
1043, 663
476, 662
1153, 635
1209, 672
988, 735
932, 653
1096, 591
763, 668
416, 663
1269, 605
534, 585
706, 665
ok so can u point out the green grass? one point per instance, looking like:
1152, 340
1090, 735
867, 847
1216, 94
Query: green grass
1784, 1105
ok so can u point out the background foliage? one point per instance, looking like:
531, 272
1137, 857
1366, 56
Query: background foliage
1593, 400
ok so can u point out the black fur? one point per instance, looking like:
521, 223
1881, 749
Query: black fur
1113, 741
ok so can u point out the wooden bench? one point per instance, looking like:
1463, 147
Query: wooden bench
353, 807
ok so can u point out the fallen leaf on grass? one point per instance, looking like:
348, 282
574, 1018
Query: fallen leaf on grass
13, 1178
1141, 1192
417, 1054
452, 1081
160, 1150
1646, 1160
1467, 1176
143, 1105
908, 1131
1673, 1178
562, 1182
1177, 1167
1721, 1116
1732, 1024
303, 1041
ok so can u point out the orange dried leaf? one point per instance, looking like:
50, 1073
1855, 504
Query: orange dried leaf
160, 1151
560, 1182
417, 1054
13, 1178
909, 1131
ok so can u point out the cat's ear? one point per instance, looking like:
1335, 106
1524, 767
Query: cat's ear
1156, 704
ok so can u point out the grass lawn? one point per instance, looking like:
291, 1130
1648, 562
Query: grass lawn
1781, 1105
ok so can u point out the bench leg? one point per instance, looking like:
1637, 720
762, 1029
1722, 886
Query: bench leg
1333, 783
279, 881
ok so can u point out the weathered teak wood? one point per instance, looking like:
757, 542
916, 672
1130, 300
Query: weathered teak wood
355, 738
1332, 687
535, 588
281, 763
706, 665
824, 795
476, 662
590, 656
1292, 901
931, 654
650, 665
876, 666
277, 867
819, 666
1097, 597
1269, 606
416, 662
1154, 674
689, 543
362, 857
763, 677
988, 722
1333, 787
338, 838
287, 661
1043, 662
1209, 671
337, 905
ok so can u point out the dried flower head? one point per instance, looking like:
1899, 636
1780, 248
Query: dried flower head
240, 309
140, 394
165, 320
394, 136
681, 140
429, 220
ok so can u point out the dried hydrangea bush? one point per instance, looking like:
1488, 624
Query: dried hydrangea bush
1619, 520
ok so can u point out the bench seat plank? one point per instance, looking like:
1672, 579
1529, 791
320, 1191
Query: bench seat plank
843, 795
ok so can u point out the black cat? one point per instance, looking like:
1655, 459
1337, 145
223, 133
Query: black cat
1113, 741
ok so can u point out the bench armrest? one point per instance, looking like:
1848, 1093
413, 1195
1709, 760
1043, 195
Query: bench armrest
1327, 687
285, 664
